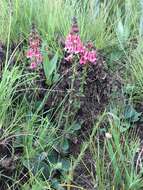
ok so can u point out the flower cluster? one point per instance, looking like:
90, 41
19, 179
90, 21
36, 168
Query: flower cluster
33, 52
74, 45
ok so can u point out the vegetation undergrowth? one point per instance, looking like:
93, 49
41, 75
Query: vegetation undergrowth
71, 94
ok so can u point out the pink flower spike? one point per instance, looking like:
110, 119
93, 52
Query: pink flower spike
73, 44
34, 43
29, 53
33, 65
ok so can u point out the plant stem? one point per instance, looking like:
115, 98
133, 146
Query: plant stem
71, 93
84, 78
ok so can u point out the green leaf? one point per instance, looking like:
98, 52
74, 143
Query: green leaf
52, 64
74, 127
56, 77
129, 88
65, 165
56, 185
50, 67
38, 185
42, 156
125, 126
37, 166
37, 104
53, 157
57, 166
65, 145
122, 29
116, 55
131, 114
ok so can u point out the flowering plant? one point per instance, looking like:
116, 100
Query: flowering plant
33, 52
74, 46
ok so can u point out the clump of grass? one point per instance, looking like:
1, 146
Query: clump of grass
113, 157
136, 68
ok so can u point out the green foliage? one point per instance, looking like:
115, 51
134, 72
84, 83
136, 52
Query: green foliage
131, 114
65, 145
50, 68
122, 30
114, 27
135, 69
118, 158
125, 116
74, 127
46, 165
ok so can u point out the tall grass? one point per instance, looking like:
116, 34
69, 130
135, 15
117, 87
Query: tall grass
136, 69
97, 20
114, 158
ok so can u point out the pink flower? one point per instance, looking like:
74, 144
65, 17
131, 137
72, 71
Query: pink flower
34, 43
29, 53
82, 60
83, 50
92, 56
73, 44
86, 55
79, 49
39, 58
33, 65
34, 53
37, 55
